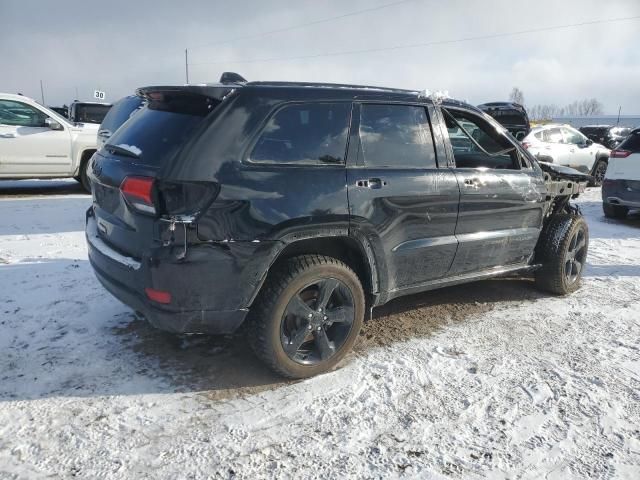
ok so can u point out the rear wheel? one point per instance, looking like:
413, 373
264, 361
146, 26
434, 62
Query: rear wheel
598, 173
562, 252
614, 211
307, 316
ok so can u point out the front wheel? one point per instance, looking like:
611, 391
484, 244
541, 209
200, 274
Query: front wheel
562, 253
307, 316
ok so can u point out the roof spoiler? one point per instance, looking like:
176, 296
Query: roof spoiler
217, 92
232, 77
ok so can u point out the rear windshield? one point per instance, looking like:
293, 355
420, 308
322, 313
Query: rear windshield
160, 129
120, 112
631, 143
90, 113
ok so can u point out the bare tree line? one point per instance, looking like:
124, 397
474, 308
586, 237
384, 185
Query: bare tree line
579, 108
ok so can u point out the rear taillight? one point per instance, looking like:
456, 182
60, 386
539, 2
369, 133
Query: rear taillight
619, 154
158, 296
138, 191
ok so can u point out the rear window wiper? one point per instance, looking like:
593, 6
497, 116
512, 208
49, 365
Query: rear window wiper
121, 150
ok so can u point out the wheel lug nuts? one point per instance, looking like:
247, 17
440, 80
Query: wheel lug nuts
319, 328
309, 327
310, 315
325, 317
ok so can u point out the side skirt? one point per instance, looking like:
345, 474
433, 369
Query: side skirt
456, 280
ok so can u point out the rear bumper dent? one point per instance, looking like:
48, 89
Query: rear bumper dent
125, 278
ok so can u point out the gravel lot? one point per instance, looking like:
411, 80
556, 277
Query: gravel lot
487, 380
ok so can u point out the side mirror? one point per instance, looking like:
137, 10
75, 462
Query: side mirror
589, 142
52, 124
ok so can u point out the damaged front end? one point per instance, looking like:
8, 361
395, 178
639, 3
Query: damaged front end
563, 184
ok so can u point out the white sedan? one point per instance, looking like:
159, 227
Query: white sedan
36, 142
564, 145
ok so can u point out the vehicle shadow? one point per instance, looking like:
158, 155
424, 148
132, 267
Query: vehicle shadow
223, 367
42, 215
19, 188
66, 336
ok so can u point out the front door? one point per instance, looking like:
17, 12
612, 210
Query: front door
501, 197
28, 147
398, 197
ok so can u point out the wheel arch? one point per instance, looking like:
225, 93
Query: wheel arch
343, 247
85, 155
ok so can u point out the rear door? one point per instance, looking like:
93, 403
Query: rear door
501, 200
28, 146
399, 198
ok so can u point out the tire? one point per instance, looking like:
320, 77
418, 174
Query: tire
562, 252
614, 211
278, 318
599, 171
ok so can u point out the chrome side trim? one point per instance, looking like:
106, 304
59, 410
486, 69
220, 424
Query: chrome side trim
425, 242
624, 203
497, 234
96, 242
465, 237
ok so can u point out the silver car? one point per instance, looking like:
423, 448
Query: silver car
564, 145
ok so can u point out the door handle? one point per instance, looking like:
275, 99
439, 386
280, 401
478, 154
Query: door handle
371, 183
7, 135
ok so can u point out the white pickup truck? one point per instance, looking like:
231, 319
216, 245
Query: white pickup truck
36, 142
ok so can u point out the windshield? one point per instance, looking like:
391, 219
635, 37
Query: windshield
155, 134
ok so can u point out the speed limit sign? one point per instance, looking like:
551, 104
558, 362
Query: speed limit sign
99, 95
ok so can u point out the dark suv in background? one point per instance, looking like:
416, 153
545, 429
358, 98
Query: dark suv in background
511, 115
295, 208
606, 135
119, 113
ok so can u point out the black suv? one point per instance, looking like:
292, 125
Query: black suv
295, 208
606, 135
511, 115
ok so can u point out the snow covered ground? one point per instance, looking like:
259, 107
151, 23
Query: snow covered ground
488, 380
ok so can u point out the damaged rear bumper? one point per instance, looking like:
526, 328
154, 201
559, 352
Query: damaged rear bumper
211, 288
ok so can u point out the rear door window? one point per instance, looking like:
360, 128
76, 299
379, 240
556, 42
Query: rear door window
159, 130
396, 136
305, 134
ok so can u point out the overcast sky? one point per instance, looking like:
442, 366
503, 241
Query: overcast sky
117, 45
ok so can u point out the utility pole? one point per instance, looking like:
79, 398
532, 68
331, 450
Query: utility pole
42, 92
186, 63
619, 110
